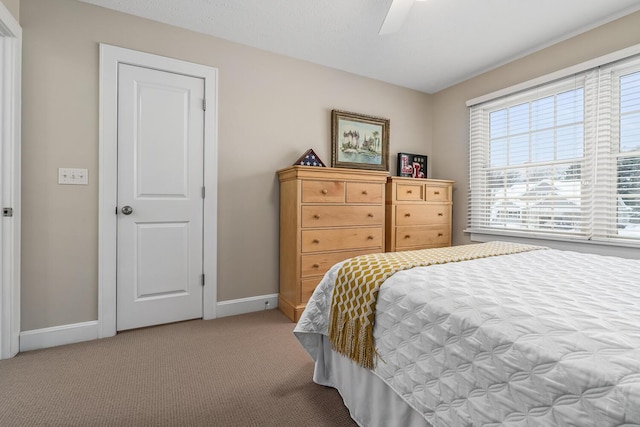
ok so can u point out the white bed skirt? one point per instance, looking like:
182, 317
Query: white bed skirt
371, 402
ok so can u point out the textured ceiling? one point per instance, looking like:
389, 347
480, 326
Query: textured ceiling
442, 42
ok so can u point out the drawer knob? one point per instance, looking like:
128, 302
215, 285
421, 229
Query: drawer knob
407, 214
316, 265
440, 234
409, 191
440, 214
436, 193
370, 238
407, 236
370, 215
316, 216
315, 241
365, 192
324, 191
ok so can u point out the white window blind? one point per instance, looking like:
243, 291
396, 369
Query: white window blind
561, 160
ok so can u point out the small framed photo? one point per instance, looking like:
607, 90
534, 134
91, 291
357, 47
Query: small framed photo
412, 165
359, 141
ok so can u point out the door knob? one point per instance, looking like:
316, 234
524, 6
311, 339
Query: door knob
127, 210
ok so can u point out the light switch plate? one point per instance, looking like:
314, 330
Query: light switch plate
73, 176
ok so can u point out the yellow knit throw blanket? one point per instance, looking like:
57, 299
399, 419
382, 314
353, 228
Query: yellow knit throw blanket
359, 280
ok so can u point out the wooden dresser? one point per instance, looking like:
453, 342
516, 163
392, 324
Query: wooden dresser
326, 215
418, 213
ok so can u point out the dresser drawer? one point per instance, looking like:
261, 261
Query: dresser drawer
422, 236
307, 287
322, 192
437, 194
318, 264
364, 192
339, 239
314, 266
410, 192
423, 214
341, 216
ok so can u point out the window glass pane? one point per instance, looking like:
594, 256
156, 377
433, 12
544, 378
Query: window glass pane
519, 119
498, 124
542, 146
506, 206
572, 172
496, 181
628, 206
570, 107
554, 200
630, 93
498, 152
630, 132
630, 112
542, 113
570, 142
519, 149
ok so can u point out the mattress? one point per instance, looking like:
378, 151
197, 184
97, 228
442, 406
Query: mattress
541, 338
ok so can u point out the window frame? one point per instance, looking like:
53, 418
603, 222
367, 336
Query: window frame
480, 110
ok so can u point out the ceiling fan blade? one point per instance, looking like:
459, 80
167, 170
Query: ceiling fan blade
397, 14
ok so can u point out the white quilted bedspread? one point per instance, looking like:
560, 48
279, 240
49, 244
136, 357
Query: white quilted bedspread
542, 338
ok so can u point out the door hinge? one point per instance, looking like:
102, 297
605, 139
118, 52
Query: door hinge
203, 192
203, 280
7, 211
204, 104
116, 210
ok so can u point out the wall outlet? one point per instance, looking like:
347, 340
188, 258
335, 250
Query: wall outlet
73, 176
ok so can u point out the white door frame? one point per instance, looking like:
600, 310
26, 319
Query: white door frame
10, 119
110, 57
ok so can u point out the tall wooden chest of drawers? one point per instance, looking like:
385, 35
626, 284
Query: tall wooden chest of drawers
418, 213
326, 215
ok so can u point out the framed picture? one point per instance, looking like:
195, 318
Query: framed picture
359, 141
412, 165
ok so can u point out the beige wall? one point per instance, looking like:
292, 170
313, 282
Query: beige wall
451, 117
271, 110
13, 6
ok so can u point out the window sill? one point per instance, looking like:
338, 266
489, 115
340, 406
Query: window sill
631, 250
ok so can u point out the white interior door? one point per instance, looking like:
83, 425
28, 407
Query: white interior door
160, 197
10, 172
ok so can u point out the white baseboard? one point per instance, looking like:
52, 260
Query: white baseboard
58, 335
246, 305
87, 331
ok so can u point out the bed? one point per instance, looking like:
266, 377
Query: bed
537, 338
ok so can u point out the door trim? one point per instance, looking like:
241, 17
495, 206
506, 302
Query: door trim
110, 57
10, 137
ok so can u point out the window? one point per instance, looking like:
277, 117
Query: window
628, 157
561, 160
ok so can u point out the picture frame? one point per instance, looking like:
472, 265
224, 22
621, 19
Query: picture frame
359, 141
412, 165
